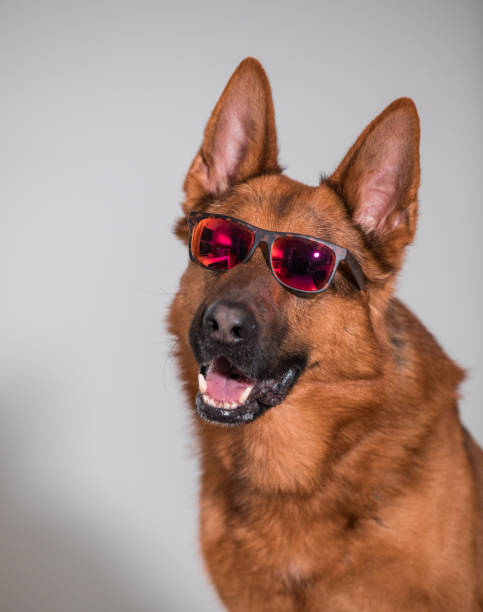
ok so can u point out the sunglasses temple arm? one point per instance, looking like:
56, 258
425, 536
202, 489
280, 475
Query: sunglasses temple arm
356, 270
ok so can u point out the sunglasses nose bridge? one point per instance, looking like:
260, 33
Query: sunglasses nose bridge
264, 240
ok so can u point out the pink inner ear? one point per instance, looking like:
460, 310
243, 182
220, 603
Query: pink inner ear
381, 189
230, 141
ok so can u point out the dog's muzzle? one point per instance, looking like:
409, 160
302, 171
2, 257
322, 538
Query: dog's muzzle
241, 372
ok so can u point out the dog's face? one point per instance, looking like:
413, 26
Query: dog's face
253, 337
254, 341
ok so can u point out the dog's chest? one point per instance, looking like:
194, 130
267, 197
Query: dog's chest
271, 537
280, 557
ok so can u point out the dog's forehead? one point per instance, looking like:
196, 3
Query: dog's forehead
278, 203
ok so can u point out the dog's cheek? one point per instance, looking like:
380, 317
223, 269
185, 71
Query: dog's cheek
185, 303
343, 344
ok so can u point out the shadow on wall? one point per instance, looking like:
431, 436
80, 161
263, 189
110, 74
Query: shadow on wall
52, 562
47, 567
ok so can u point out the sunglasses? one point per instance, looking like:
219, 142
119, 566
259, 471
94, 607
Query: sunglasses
300, 262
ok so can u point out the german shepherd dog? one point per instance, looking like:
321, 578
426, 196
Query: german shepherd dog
335, 472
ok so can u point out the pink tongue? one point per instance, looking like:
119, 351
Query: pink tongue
223, 388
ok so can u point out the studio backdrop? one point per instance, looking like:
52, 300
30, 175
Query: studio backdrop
103, 106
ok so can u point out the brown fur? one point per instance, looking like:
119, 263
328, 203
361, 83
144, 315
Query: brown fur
361, 491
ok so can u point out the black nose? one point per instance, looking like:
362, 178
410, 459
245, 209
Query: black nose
229, 322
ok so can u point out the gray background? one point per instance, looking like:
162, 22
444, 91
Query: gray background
102, 109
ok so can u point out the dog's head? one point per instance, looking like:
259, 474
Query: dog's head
253, 339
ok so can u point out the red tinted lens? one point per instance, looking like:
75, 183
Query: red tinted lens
302, 264
220, 244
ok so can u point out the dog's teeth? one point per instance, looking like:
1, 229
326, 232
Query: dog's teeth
208, 400
202, 383
244, 396
226, 405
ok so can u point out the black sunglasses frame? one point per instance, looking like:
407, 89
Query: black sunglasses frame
268, 237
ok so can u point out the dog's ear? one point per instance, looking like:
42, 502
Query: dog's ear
240, 140
379, 178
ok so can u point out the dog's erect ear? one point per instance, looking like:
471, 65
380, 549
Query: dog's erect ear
240, 140
379, 179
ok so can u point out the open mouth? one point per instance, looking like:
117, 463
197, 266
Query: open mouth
227, 396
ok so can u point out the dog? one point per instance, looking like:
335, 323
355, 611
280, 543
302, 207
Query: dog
335, 472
